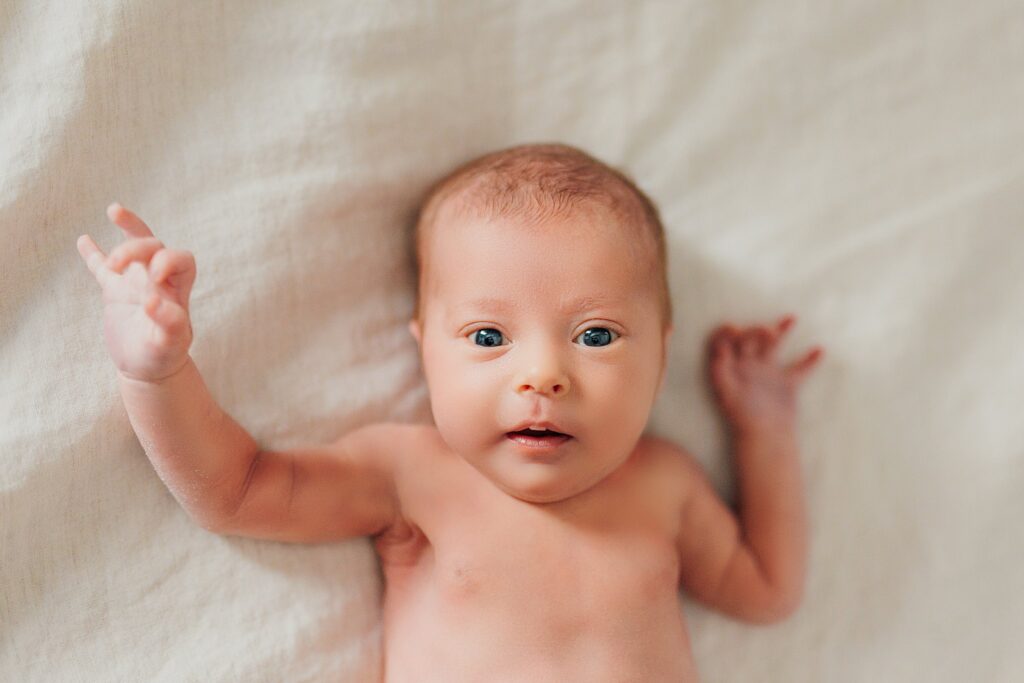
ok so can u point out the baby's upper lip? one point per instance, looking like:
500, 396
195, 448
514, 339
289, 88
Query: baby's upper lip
539, 424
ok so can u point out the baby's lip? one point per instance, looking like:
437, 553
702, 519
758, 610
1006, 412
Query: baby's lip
539, 425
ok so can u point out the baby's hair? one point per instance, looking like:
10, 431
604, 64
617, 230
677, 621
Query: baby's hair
536, 182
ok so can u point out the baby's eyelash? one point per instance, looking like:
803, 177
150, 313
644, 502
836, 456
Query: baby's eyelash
614, 333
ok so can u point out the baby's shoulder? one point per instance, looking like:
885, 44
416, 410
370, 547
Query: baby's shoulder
660, 453
667, 463
412, 452
397, 442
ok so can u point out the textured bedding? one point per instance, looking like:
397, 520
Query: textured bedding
856, 163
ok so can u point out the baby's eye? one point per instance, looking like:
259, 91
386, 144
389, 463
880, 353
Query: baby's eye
599, 336
487, 337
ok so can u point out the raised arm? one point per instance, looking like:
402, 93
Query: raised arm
210, 464
197, 450
229, 485
751, 565
200, 453
320, 493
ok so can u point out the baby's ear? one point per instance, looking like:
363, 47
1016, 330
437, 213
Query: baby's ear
414, 330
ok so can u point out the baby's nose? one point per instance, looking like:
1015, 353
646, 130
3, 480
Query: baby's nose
541, 368
549, 388
553, 383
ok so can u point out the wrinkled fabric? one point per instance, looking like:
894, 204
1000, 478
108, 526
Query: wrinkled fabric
856, 163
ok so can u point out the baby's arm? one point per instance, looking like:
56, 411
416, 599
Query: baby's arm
752, 567
211, 465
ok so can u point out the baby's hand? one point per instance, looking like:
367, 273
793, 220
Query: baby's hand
145, 292
753, 389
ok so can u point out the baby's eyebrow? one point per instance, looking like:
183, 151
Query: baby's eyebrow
487, 303
585, 303
504, 305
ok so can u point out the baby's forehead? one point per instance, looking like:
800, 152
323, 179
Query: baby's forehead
524, 256
606, 245
534, 221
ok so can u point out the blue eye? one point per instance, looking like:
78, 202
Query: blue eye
488, 336
600, 336
593, 337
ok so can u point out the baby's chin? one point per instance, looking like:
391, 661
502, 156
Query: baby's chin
535, 497
541, 483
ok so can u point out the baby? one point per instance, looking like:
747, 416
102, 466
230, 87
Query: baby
533, 532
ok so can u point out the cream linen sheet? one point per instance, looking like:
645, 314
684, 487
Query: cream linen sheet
858, 163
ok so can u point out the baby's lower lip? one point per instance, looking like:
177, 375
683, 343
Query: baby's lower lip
538, 441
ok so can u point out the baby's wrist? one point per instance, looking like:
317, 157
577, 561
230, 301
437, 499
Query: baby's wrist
154, 380
774, 429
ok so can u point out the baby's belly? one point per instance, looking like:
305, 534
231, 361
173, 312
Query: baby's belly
436, 632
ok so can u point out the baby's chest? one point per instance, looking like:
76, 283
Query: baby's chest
538, 604
467, 545
571, 571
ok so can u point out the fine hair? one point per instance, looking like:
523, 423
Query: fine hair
534, 183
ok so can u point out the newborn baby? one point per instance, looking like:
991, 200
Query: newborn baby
533, 532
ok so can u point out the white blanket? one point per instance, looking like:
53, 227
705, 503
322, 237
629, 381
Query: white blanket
857, 163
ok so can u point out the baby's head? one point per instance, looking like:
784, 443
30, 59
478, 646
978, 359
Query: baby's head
542, 296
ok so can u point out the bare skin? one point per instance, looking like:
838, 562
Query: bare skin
484, 581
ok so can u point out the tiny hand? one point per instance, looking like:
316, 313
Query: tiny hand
145, 291
752, 388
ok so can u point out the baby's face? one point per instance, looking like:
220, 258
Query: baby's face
503, 343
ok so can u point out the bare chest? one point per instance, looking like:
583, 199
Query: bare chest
564, 573
486, 586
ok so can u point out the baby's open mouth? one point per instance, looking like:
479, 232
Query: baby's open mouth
539, 432
542, 438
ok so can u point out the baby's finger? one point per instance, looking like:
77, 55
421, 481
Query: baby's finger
733, 339
141, 249
799, 370
727, 341
177, 268
132, 225
765, 339
168, 263
94, 258
169, 316
784, 325
775, 335
718, 341
721, 369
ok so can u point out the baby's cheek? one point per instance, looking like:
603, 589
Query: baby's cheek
464, 417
